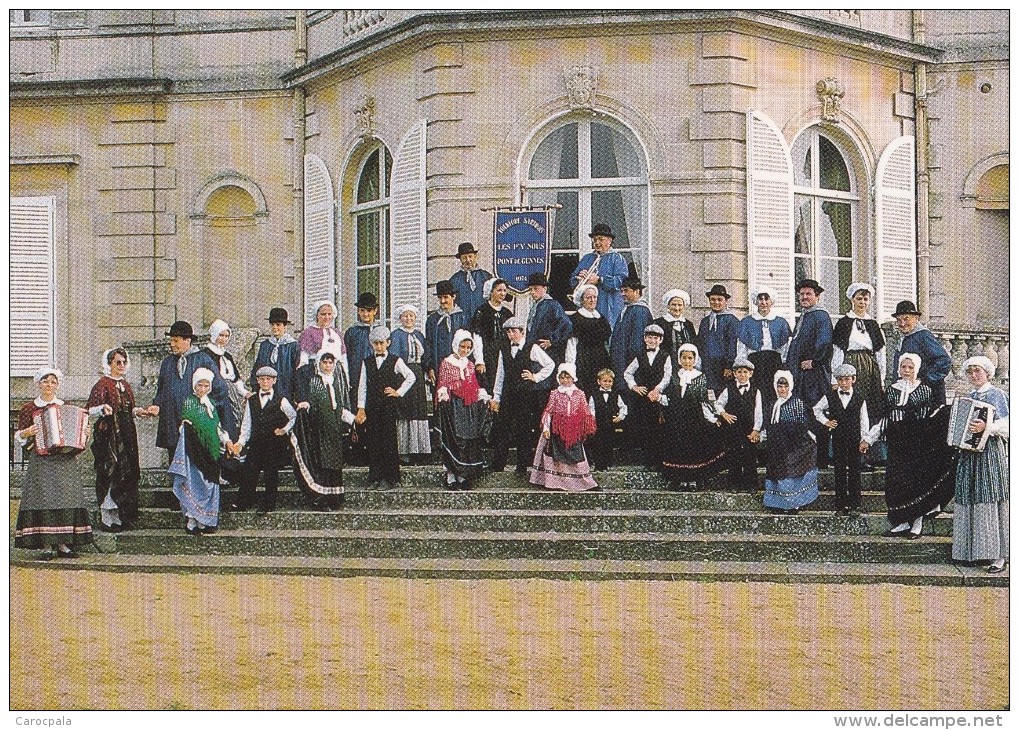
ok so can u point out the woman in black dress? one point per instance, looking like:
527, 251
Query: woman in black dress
678, 329
487, 325
588, 348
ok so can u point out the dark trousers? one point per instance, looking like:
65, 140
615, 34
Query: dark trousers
383, 447
642, 431
847, 473
742, 474
601, 448
246, 495
516, 425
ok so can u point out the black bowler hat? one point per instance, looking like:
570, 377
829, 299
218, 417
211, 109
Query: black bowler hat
367, 300
632, 282
537, 279
466, 248
809, 284
279, 314
445, 287
180, 328
905, 307
718, 291
601, 229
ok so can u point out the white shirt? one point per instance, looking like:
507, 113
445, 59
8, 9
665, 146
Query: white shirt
758, 406
537, 355
631, 371
409, 378
604, 395
263, 399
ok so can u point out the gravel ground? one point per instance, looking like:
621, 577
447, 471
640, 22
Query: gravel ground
94, 640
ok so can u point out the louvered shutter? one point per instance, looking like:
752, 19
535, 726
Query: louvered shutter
319, 236
31, 303
895, 205
769, 212
407, 221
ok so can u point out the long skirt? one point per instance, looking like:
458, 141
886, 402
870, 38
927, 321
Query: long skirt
195, 479
868, 382
412, 432
921, 467
53, 508
690, 448
559, 467
791, 479
461, 430
980, 515
115, 448
318, 458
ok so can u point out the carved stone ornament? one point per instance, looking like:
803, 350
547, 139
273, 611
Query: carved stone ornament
581, 83
365, 112
830, 92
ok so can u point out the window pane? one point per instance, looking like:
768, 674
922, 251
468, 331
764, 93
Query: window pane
836, 276
368, 183
368, 280
556, 156
804, 266
389, 174
565, 220
801, 156
367, 239
803, 234
834, 173
836, 229
612, 155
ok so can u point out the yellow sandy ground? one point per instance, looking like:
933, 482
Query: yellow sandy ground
91, 640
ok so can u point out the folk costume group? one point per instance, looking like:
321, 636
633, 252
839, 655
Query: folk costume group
564, 390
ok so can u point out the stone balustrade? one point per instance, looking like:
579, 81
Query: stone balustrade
360, 22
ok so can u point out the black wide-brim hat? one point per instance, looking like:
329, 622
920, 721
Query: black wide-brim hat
537, 279
279, 314
905, 307
811, 284
466, 247
180, 328
632, 282
445, 287
601, 229
367, 300
718, 291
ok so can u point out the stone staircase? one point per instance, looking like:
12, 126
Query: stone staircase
634, 527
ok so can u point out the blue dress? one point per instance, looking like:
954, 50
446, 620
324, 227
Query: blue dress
791, 480
612, 270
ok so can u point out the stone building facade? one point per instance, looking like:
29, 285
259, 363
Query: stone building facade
199, 164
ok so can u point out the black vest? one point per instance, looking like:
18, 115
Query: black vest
741, 406
604, 411
650, 374
266, 420
848, 417
379, 378
513, 367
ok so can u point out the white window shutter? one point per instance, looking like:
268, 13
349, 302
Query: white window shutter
408, 231
895, 206
770, 213
319, 236
32, 284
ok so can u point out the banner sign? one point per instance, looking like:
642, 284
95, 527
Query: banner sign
522, 244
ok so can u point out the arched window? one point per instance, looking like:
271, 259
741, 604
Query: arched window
597, 172
371, 227
826, 210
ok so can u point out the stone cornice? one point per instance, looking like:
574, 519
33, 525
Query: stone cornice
561, 21
64, 160
89, 88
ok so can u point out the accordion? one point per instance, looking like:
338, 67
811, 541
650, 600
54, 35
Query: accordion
61, 430
965, 410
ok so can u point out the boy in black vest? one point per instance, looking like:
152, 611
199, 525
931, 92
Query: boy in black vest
384, 378
519, 395
646, 377
844, 412
740, 406
268, 420
609, 410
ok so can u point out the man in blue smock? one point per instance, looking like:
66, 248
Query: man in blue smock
935, 362
604, 268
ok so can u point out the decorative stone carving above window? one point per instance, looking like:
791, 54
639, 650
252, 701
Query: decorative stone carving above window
365, 113
581, 84
830, 92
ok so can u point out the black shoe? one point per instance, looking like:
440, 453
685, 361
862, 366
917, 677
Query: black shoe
103, 527
193, 530
209, 530
992, 568
67, 553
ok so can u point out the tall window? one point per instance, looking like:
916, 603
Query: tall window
825, 209
371, 228
596, 171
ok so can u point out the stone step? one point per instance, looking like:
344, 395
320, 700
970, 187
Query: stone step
594, 569
739, 547
639, 521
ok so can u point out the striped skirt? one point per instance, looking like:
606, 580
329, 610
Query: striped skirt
980, 516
